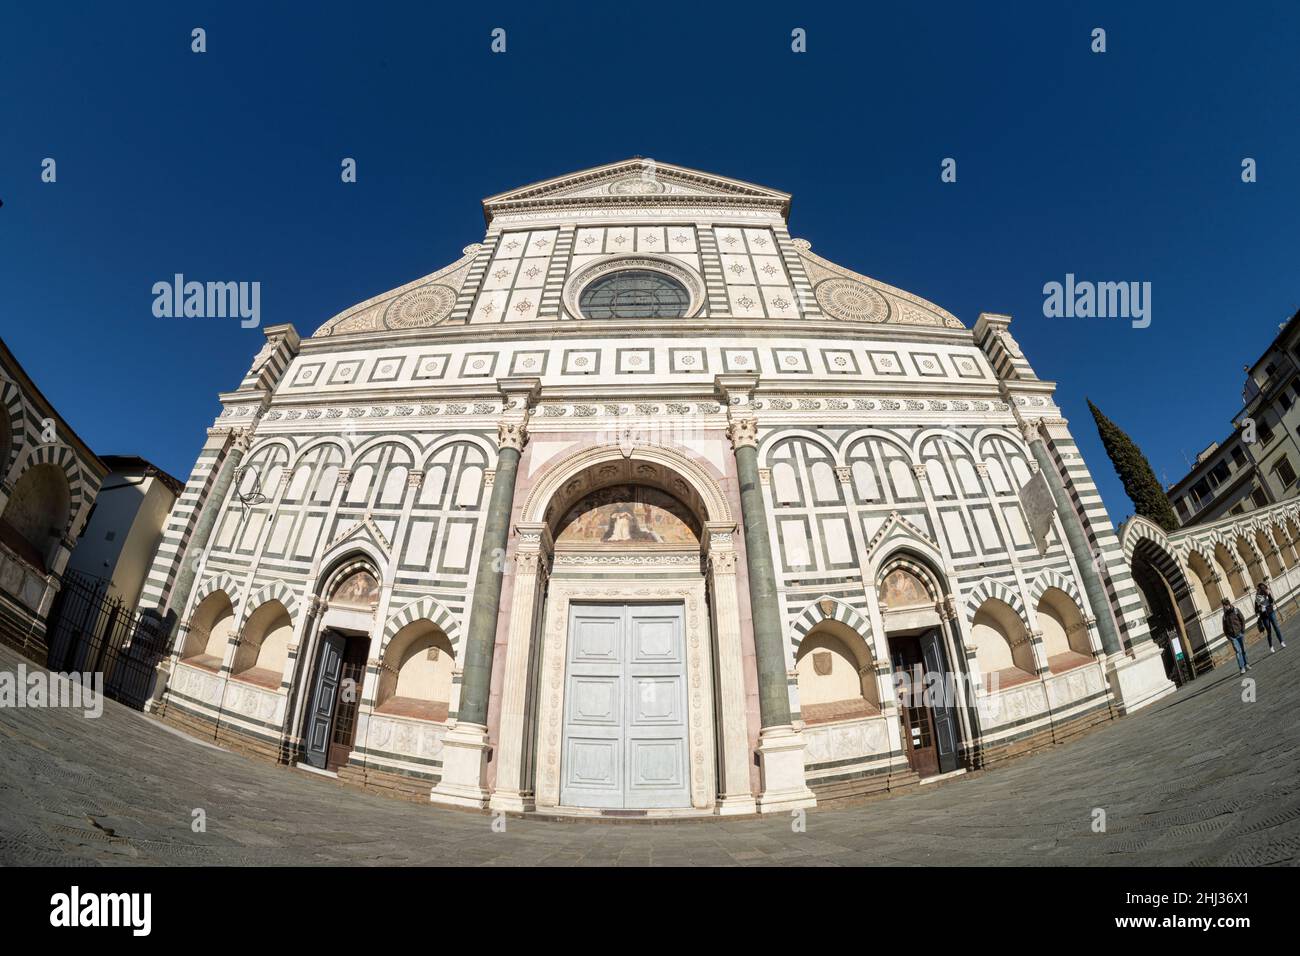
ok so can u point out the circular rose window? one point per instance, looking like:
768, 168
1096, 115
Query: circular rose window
634, 294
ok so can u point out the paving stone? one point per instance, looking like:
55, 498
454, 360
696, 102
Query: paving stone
1200, 778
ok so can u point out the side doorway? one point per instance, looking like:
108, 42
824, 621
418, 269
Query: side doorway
335, 698
927, 715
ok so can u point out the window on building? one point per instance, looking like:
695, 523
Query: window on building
634, 294
1285, 473
1201, 492
1286, 399
1264, 432
1219, 474
1238, 457
1258, 497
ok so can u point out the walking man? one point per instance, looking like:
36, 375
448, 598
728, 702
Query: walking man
1234, 629
1267, 616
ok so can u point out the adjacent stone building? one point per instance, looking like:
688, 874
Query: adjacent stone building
641, 506
1256, 464
48, 483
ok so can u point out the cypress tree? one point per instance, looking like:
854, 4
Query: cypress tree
1140, 484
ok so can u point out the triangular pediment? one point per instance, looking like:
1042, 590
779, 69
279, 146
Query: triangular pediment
363, 530
896, 527
637, 179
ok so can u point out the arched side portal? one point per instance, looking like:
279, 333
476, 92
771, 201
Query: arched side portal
923, 642
623, 607
1172, 615
338, 655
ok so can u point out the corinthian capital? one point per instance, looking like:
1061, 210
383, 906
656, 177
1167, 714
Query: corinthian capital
512, 435
743, 432
1030, 430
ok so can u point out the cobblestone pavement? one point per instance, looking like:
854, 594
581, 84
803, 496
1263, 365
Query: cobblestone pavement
1199, 778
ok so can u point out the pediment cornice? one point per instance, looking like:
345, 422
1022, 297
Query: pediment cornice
636, 182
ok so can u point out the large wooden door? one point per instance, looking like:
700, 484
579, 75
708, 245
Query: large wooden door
929, 722
915, 717
320, 719
352, 676
625, 708
942, 711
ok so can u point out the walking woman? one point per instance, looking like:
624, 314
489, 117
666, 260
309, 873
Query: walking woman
1266, 615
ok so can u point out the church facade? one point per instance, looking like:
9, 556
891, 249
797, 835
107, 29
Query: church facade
642, 507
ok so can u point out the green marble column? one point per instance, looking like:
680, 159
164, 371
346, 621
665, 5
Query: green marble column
1077, 539
769, 645
481, 634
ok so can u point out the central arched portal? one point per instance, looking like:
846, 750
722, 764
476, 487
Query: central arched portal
634, 607
624, 735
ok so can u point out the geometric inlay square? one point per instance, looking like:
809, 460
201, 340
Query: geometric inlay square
430, 366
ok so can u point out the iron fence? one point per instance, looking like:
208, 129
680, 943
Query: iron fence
91, 632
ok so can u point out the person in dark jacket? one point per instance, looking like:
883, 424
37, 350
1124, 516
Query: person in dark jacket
1266, 615
1234, 629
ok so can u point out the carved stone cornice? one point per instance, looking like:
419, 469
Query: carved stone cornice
533, 537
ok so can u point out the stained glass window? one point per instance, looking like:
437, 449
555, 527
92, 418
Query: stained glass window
634, 294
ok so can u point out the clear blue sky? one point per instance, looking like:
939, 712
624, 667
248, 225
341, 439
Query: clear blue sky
1123, 166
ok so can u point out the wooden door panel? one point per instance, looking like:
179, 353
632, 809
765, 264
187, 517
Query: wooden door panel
596, 701
329, 670
943, 715
656, 767
625, 709
657, 772
592, 756
656, 700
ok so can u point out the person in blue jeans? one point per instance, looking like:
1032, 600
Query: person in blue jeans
1234, 629
1266, 614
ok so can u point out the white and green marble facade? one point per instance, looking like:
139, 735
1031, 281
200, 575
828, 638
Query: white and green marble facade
888, 434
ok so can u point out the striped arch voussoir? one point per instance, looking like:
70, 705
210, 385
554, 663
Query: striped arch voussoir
65, 459
275, 591
11, 398
1139, 529
218, 582
989, 588
1054, 579
428, 609
829, 609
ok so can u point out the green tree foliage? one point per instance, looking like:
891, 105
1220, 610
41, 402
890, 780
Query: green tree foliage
1140, 484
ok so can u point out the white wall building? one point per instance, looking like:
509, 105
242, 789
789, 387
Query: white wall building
642, 506
126, 527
